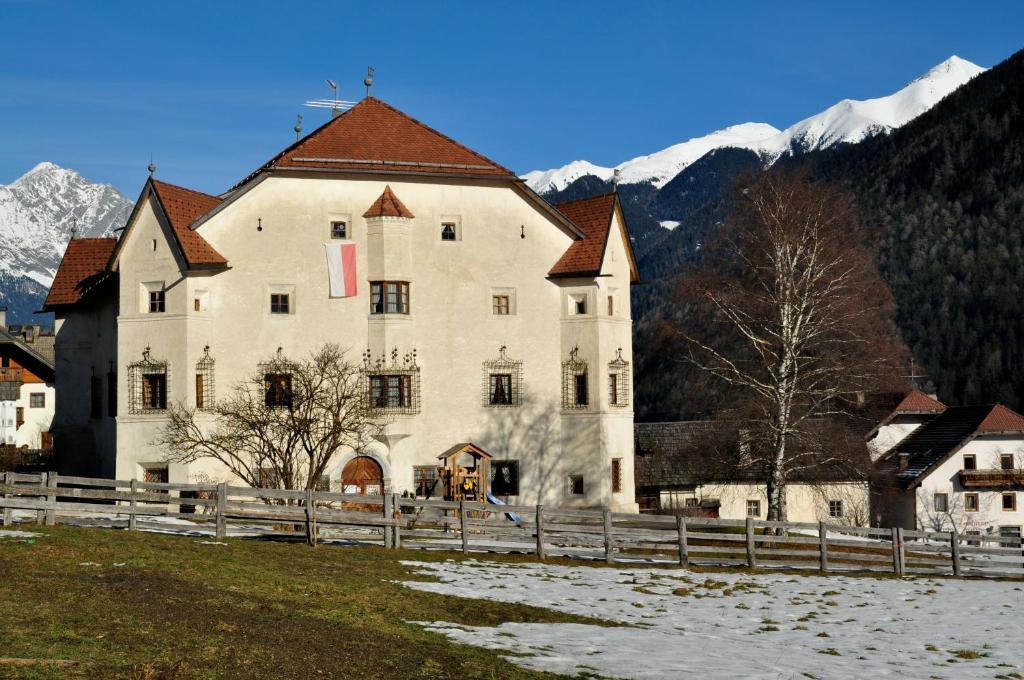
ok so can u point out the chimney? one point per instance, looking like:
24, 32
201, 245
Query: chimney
903, 460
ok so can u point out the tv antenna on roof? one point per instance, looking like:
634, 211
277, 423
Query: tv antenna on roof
335, 105
368, 80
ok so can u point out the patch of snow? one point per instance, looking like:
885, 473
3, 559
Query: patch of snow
675, 623
14, 533
669, 224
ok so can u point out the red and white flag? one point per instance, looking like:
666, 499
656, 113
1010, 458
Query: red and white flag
341, 268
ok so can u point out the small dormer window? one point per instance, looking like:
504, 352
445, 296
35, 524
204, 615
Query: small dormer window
339, 230
448, 232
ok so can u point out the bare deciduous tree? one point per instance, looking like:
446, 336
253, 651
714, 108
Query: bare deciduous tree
789, 310
279, 427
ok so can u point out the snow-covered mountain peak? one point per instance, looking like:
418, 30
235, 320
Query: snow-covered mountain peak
848, 121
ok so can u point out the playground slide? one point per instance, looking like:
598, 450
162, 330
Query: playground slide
497, 501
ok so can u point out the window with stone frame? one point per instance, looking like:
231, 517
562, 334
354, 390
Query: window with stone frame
205, 381
576, 487
392, 387
618, 380
147, 385
616, 475
503, 380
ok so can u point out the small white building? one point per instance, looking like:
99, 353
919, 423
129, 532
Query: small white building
960, 469
486, 314
26, 387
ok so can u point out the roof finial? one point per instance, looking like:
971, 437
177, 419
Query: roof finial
151, 167
298, 127
368, 80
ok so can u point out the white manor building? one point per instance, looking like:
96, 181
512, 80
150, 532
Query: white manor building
502, 321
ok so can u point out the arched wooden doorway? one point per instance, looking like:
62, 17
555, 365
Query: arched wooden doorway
363, 475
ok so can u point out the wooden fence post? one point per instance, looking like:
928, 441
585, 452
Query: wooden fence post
897, 551
396, 541
133, 504
222, 509
540, 533
310, 529
684, 552
954, 549
388, 514
41, 514
8, 517
462, 527
751, 550
609, 539
822, 547
52, 480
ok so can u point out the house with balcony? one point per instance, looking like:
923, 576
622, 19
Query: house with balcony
26, 386
482, 315
961, 470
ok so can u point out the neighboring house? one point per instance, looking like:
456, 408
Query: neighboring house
675, 475
487, 315
913, 411
26, 386
963, 469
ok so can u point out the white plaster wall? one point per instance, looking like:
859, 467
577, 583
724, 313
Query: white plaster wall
8, 421
945, 479
890, 435
804, 502
451, 325
37, 420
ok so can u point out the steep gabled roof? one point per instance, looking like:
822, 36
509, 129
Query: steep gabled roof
375, 137
917, 401
83, 267
39, 363
388, 205
183, 207
947, 432
594, 218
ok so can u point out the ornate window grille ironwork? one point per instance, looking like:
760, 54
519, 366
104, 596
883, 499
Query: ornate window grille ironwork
205, 392
392, 388
502, 381
618, 380
575, 383
277, 380
147, 385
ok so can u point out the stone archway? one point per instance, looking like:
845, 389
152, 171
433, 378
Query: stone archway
362, 475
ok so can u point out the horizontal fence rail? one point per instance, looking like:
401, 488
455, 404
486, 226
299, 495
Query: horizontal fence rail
594, 534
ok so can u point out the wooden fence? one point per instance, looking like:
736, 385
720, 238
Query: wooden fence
577, 533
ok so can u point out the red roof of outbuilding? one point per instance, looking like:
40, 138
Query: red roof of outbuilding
83, 266
388, 205
183, 207
594, 217
917, 401
373, 136
1002, 419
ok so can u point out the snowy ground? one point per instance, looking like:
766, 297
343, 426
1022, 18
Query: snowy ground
671, 623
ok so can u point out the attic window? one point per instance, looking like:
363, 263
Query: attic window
448, 232
1006, 461
339, 230
970, 462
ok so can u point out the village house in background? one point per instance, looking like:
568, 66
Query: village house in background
484, 318
26, 387
676, 475
955, 468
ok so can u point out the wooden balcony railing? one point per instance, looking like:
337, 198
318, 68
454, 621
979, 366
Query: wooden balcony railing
991, 479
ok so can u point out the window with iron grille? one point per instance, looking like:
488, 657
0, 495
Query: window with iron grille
574, 382
616, 475
505, 477
618, 380
576, 485
424, 477
389, 297
156, 474
96, 396
147, 385
205, 381
277, 390
835, 509
393, 388
503, 380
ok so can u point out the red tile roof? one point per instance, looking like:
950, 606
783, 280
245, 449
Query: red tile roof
373, 136
1002, 419
585, 256
917, 401
183, 207
83, 266
388, 205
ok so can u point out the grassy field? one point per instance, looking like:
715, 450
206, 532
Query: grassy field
132, 604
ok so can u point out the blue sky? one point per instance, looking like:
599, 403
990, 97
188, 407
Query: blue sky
212, 89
